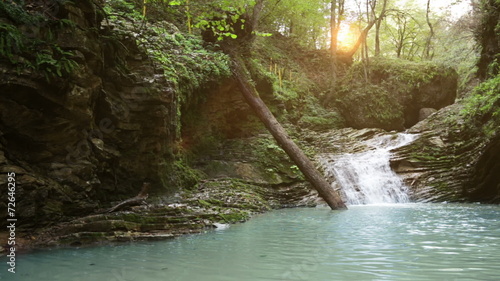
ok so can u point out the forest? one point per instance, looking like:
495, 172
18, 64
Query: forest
144, 120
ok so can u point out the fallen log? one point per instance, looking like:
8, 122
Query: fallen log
139, 199
305, 165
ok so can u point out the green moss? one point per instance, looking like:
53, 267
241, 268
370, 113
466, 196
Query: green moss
274, 159
204, 203
83, 238
423, 150
215, 202
236, 216
377, 107
53, 207
16, 13
124, 225
132, 217
178, 174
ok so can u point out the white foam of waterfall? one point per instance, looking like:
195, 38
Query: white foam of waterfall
366, 177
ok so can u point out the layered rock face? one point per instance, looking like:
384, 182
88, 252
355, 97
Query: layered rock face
91, 137
448, 163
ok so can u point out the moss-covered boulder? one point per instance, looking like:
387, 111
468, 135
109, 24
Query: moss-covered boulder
389, 94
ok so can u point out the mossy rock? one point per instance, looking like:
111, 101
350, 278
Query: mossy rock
234, 217
389, 93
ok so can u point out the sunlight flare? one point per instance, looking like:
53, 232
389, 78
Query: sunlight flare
347, 36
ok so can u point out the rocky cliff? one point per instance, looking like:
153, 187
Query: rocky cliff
91, 134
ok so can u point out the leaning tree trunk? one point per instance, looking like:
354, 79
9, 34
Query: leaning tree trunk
294, 152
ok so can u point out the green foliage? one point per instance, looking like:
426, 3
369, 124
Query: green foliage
482, 107
398, 75
54, 62
326, 121
373, 94
453, 48
403, 72
11, 41
305, 21
287, 75
39, 53
372, 103
118, 9
223, 23
273, 61
184, 59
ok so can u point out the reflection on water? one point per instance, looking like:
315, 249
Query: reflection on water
373, 242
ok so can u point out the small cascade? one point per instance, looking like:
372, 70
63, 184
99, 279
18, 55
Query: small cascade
366, 177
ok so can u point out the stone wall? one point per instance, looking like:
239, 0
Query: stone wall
77, 142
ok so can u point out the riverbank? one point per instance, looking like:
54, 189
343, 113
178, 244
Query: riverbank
211, 204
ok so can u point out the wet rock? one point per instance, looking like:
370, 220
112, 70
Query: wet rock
214, 202
443, 163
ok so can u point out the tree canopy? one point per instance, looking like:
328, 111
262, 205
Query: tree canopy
409, 29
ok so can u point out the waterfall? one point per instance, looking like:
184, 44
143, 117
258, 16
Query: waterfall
366, 177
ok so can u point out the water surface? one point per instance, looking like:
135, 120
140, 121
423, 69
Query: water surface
371, 242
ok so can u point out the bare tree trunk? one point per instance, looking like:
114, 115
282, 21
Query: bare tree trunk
259, 107
377, 28
370, 6
137, 200
294, 152
377, 38
259, 5
361, 39
334, 31
428, 43
337, 11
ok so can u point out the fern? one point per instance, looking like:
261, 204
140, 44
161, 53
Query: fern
11, 41
24, 52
